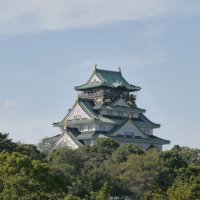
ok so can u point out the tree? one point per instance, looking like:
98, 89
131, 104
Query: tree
66, 163
102, 194
186, 185
121, 154
27, 179
104, 147
139, 173
189, 155
6, 144
71, 197
29, 150
154, 195
173, 158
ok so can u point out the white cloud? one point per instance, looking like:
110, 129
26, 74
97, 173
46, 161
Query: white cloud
10, 105
42, 15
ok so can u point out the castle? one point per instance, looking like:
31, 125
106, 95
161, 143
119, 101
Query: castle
105, 108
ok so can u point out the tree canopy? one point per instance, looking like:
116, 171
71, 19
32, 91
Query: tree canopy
98, 172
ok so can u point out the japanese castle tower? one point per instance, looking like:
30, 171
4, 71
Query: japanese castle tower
106, 108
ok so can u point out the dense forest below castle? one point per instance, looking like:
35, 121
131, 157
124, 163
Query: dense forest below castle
105, 170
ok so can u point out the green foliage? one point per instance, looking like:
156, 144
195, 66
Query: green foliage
98, 172
173, 158
154, 195
102, 194
139, 172
66, 162
6, 144
30, 150
186, 185
189, 155
121, 154
104, 148
24, 178
71, 197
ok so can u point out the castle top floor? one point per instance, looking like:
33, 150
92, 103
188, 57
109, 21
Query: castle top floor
108, 80
105, 85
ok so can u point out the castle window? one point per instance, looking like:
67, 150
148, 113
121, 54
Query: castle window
82, 128
120, 113
89, 127
77, 117
109, 112
100, 127
128, 133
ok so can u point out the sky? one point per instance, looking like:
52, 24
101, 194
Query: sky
48, 47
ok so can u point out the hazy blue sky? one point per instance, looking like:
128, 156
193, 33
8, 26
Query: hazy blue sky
47, 47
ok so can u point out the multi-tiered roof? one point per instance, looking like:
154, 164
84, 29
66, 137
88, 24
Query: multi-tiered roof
108, 79
107, 108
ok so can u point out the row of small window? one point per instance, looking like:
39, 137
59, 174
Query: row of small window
102, 128
127, 133
119, 113
77, 116
90, 127
109, 112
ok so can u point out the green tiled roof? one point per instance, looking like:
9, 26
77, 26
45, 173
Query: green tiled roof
85, 136
52, 138
90, 85
120, 108
149, 140
109, 120
145, 122
89, 135
114, 79
108, 78
87, 106
135, 140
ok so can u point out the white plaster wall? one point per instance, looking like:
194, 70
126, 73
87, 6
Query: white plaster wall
94, 78
148, 131
104, 127
95, 127
66, 140
89, 127
78, 111
129, 128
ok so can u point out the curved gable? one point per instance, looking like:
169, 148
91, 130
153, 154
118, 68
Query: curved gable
128, 129
77, 113
120, 102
